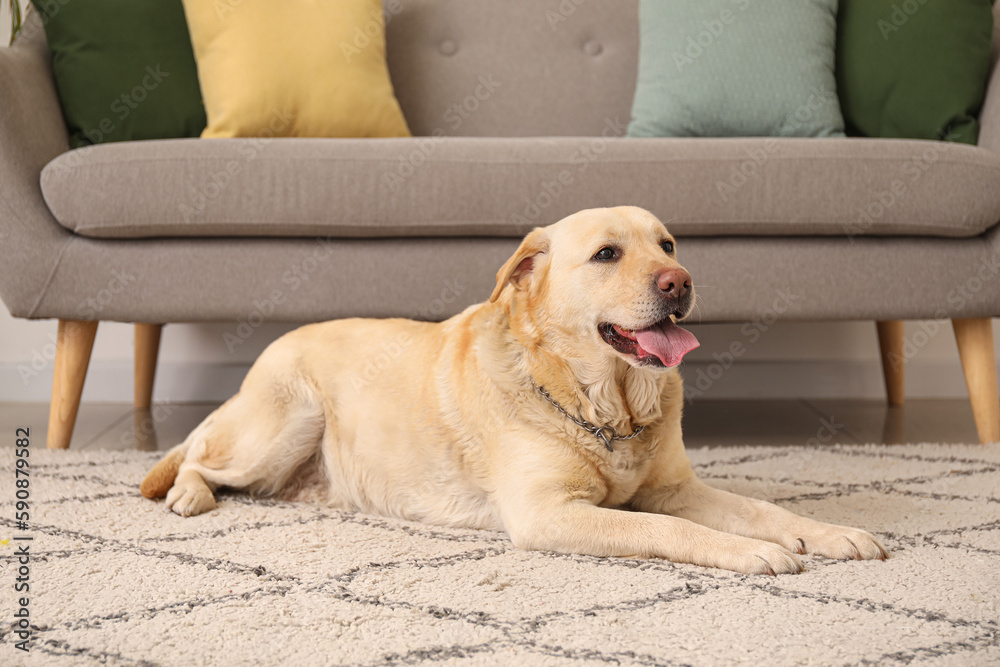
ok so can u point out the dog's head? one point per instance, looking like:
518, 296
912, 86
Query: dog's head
606, 282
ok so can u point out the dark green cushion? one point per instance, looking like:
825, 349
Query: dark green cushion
124, 69
913, 68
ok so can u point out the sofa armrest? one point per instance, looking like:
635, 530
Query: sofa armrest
32, 132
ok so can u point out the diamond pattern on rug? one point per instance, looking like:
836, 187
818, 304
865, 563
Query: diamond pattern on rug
117, 579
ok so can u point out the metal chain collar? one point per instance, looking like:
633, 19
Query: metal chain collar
600, 432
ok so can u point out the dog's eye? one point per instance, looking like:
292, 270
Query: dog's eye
668, 247
605, 254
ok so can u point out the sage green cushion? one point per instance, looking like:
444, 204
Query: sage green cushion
718, 68
914, 68
124, 69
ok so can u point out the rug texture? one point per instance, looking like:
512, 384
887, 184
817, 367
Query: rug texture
116, 579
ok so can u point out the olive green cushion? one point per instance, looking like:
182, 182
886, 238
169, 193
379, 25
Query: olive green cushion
714, 68
124, 69
913, 68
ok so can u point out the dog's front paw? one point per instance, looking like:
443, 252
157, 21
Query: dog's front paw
190, 499
842, 542
751, 556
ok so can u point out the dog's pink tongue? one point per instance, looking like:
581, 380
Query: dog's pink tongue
667, 341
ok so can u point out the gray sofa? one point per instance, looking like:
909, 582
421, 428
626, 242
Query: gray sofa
517, 122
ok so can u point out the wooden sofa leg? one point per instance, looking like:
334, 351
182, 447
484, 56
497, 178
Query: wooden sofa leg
975, 347
147, 348
74, 342
890, 342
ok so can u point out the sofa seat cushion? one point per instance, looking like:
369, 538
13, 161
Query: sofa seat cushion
435, 186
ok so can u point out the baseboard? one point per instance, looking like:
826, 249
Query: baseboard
188, 383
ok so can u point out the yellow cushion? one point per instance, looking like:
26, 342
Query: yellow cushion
294, 68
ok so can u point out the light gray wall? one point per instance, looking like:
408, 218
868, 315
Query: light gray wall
4, 23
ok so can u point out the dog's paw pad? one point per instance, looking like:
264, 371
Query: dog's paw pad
845, 544
779, 561
758, 557
186, 501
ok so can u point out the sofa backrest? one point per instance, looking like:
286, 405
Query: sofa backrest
519, 67
503, 68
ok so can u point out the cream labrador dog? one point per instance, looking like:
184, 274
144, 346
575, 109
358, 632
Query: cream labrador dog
552, 411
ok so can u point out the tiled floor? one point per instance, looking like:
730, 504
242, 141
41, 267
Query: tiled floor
706, 423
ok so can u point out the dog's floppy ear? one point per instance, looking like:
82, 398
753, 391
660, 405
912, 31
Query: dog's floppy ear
522, 262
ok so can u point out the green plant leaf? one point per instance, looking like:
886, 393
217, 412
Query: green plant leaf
15, 19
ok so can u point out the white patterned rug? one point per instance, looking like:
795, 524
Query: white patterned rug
116, 579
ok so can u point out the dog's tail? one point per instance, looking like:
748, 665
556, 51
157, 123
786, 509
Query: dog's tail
162, 476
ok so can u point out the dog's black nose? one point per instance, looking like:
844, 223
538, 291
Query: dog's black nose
674, 283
